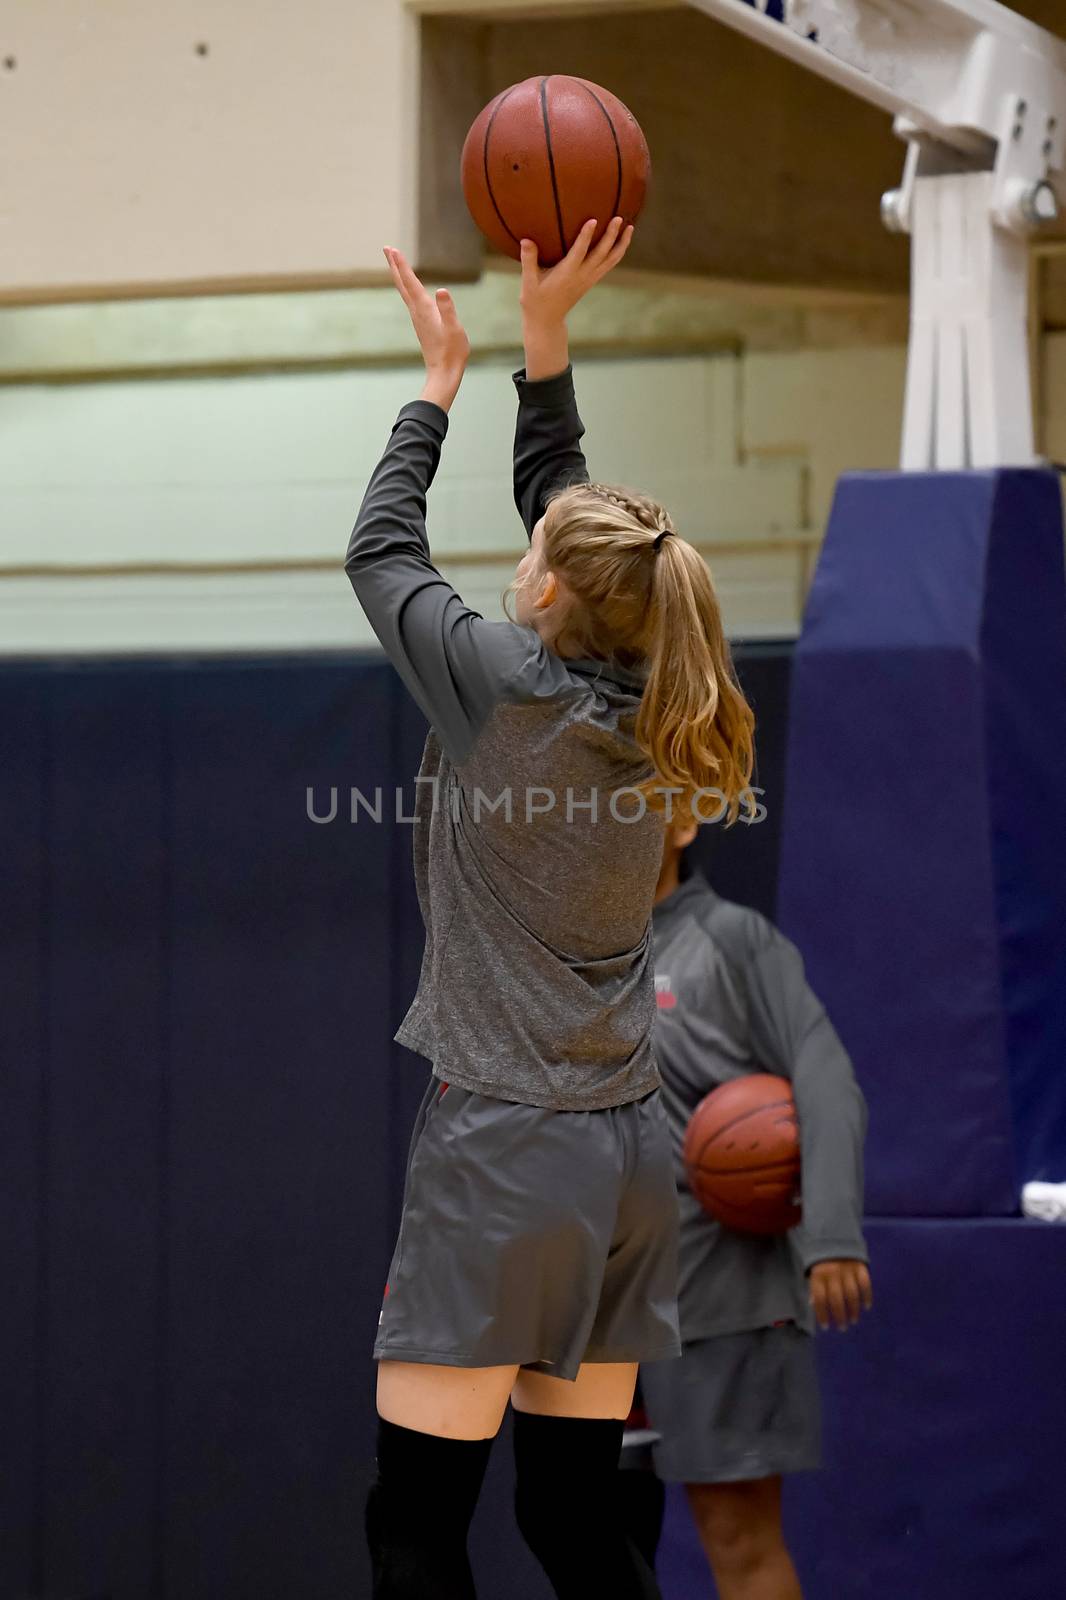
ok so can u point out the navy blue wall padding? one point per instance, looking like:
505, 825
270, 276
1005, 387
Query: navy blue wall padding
203, 1133
945, 1414
922, 871
198, 1138
205, 1122
277, 1126
102, 1203
24, 1007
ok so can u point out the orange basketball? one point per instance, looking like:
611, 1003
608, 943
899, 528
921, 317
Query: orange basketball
546, 156
742, 1154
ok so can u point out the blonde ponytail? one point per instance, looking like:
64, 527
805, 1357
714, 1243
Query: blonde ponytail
694, 723
640, 594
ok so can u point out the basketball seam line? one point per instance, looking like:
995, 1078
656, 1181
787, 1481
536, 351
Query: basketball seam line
741, 1211
742, 1116
551, 161
758, 1166
617, 149
485, 163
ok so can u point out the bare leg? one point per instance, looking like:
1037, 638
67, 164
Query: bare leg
451, 1402
739, 1525
600, 1390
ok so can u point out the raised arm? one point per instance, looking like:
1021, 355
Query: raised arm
547, 447
454, 662
547, 443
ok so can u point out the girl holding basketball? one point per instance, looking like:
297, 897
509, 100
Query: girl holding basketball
740, 1410
536, 1259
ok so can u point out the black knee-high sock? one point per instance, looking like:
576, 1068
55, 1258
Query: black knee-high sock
567, 1504
418, 1514
643, 1503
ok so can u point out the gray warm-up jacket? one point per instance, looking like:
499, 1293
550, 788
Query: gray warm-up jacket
733, 999
535, 887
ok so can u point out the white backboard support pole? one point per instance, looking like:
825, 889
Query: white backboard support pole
967, 398
979, 95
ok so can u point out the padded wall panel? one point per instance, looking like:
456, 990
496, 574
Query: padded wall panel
205, 1122
108, 897
922, 871
945, 1413
278, 1127
946, 1420
24, 933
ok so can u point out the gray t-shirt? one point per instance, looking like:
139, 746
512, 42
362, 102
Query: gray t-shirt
534, 880
733, 999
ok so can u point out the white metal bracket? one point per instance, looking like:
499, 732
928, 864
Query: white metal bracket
979, 94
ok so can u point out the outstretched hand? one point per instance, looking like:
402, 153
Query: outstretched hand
549, 293
442, 337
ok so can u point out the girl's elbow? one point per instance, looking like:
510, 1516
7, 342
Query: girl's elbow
355, 559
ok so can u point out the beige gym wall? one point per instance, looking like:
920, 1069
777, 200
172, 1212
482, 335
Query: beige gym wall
182, 473
173, 149
185, 477
167, 148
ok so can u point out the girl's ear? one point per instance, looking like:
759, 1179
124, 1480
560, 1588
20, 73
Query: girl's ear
549, 593
679, 835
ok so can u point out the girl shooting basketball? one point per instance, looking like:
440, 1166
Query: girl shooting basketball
536, 1258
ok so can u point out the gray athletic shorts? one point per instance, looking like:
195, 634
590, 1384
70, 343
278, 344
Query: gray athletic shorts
740, 1406
534, 1238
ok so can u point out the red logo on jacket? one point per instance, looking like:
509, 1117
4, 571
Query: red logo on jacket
665, 998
